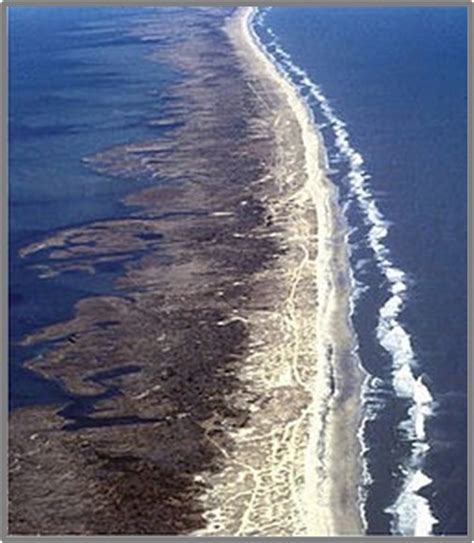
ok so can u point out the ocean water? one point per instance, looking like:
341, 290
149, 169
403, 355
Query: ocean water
387, 88
78, 83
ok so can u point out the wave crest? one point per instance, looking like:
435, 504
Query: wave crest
411, 513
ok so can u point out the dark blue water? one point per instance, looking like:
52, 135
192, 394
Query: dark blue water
397, 78
78, 83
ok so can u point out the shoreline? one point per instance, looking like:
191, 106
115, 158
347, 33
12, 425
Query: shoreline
324, 488
408, 499
333, 259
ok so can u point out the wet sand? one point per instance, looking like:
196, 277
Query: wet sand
217, 392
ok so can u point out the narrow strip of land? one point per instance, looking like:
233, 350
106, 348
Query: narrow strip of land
215, 391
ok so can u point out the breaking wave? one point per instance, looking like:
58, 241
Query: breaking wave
411, 513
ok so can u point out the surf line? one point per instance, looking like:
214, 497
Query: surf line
411, 513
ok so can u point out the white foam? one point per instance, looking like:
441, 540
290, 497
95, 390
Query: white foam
411, 512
